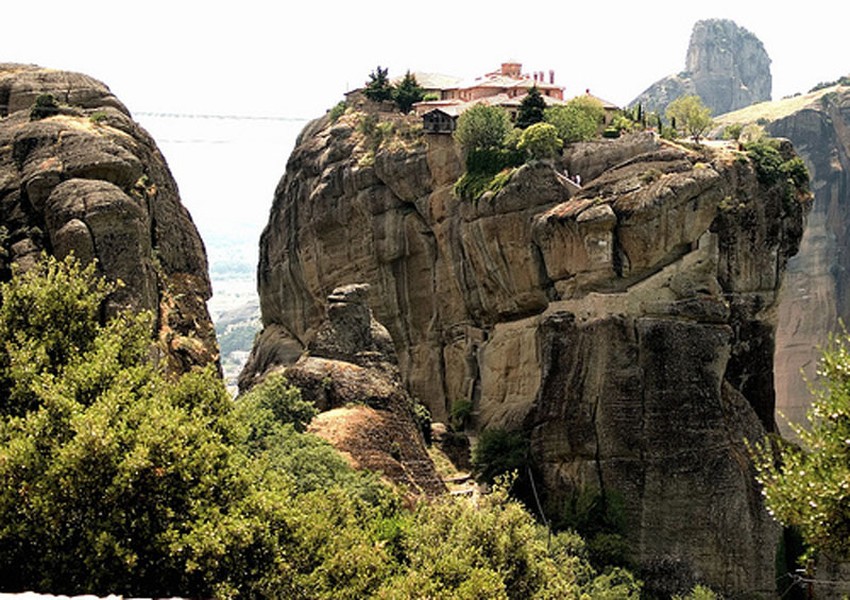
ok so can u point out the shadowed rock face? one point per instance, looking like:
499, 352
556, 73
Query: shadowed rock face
85, 178
726, 66
816, 294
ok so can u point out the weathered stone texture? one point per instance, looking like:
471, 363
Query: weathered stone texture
726, 66
89, 180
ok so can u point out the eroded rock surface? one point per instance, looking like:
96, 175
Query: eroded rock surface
349, 373
83, 177
626, 326
726, 66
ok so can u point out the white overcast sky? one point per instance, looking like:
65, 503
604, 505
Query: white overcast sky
297, 59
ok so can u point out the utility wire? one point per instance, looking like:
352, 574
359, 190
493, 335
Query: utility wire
172, 115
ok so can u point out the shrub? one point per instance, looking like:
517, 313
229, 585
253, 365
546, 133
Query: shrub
461, 414
482, 127
45, 106
499, 452
337, 111
576, 121
540, 141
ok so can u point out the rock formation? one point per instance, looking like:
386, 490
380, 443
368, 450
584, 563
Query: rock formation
77, 174
626, 326
349, 373
726, 66
816, 293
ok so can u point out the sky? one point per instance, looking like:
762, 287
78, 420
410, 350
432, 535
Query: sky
293, 62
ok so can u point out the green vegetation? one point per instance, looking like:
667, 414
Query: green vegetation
404, 95
45, 106
807, 485
337, 111
500, 452
771, 167
378, 88
483, 127
461, 414
828, 84
531, 109
117, 480
576, 121
407, 93
540, 141
692, 115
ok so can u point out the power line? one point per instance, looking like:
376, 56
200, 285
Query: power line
172, 115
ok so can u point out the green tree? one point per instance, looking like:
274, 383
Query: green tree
540, 141
407, 93
483, 126
116, 480
807, 485
576, 121
531, 108
378, 88
692, 115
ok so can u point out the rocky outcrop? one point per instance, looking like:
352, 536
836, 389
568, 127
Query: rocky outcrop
78, 175
349, 373
626, 327
726, 66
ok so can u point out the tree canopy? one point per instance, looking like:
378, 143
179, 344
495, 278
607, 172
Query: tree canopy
483, 126
692, 115
576, 121
117, 480
540, 141
407, 93
379, 88
531, 108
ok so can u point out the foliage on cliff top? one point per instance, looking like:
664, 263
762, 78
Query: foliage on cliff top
118, 480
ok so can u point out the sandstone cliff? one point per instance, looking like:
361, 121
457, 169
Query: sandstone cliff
726, 66
816, 293
77, 174
626, 326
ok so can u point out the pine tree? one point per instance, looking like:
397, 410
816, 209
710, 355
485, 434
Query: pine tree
531, 109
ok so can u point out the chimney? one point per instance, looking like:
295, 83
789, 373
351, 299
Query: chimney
552, 76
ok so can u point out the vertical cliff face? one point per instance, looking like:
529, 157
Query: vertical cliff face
726, 66
77, 174
626, 326
817, 289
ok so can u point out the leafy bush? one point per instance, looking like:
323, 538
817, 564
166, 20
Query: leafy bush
540, 141
482, 127
116, 480
461, 413
337, 111
805, 485
499, 452
487, 169
45, 106
576, 121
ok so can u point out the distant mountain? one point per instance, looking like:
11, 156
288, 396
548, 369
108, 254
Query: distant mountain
726, 66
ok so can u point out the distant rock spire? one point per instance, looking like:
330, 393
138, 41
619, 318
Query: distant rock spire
726, 65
